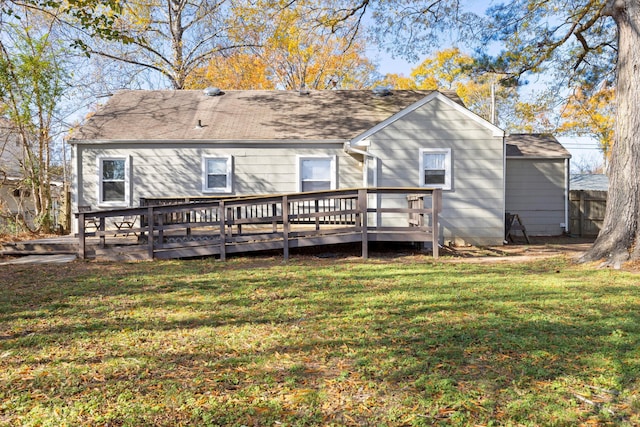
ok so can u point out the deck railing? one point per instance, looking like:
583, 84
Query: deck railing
175, 228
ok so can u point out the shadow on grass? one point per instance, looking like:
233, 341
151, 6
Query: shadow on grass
458, 337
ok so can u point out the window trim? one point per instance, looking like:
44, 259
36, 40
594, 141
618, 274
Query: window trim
332, 172
126, 201
447, 165
229, 171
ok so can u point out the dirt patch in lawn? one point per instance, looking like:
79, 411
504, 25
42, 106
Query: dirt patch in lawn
537, 248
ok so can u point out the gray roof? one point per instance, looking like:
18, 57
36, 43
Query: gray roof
596, 182
535, 145
243, 115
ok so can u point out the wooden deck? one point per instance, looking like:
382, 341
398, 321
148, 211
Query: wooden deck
174, 228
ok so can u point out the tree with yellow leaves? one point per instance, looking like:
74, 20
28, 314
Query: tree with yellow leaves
285, 49
591, 115
452, 70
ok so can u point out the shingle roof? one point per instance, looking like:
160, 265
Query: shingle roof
243, 115
597, 182
535, 145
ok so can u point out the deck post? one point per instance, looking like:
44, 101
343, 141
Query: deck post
150, 231
274, 211
363, 208
82, 247
436, 203
101, 232
160, 226
222, 213
285, 227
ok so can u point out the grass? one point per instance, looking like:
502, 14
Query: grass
255, 342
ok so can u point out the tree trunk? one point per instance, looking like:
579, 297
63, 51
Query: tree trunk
618, 238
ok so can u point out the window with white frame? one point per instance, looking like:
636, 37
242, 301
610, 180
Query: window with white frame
216, 174
113, 188
435, 168
316, 173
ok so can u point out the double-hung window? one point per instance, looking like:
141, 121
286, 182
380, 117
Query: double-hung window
435, 168
216, 174
113, 188
316, 173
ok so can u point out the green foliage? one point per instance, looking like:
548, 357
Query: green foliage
98, 17
32, 81
250, 341
576, 41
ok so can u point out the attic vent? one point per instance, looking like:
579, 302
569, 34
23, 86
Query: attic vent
304, 90
212, 91
381, 91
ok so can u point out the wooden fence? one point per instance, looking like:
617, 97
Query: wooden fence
181, 228
586, 211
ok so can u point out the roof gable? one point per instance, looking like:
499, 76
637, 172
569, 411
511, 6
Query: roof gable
246, 115
496, 131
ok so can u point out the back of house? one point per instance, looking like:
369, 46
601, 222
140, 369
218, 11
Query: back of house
165, 144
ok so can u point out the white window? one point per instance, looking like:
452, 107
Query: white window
113, 188
435, 168
216, 174
316, 173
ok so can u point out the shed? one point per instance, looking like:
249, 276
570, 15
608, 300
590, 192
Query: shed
537, 183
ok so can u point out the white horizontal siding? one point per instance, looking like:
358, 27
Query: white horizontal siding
164, 171
473, 210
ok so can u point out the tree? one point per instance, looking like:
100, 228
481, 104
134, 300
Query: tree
577, 42
31, 85
484, 93
286, 50
448, 69
591, 115
235, 70
97, 18
172, 37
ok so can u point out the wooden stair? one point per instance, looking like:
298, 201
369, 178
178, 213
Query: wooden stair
54, 246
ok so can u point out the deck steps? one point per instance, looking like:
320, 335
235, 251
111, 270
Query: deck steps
40, 247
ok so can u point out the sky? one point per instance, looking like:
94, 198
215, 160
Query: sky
584, 151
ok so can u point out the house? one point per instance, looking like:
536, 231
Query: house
145, 144
17, 207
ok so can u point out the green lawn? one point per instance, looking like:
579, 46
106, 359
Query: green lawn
255, 342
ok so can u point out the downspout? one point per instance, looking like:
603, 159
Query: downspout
348, 148
366, 156
567, 180
76, 171
504, 185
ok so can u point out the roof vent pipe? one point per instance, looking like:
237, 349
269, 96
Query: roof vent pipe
212, 91
381, 91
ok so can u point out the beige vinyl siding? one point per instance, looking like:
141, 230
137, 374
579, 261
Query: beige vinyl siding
163, 170
535, 191
473, 210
